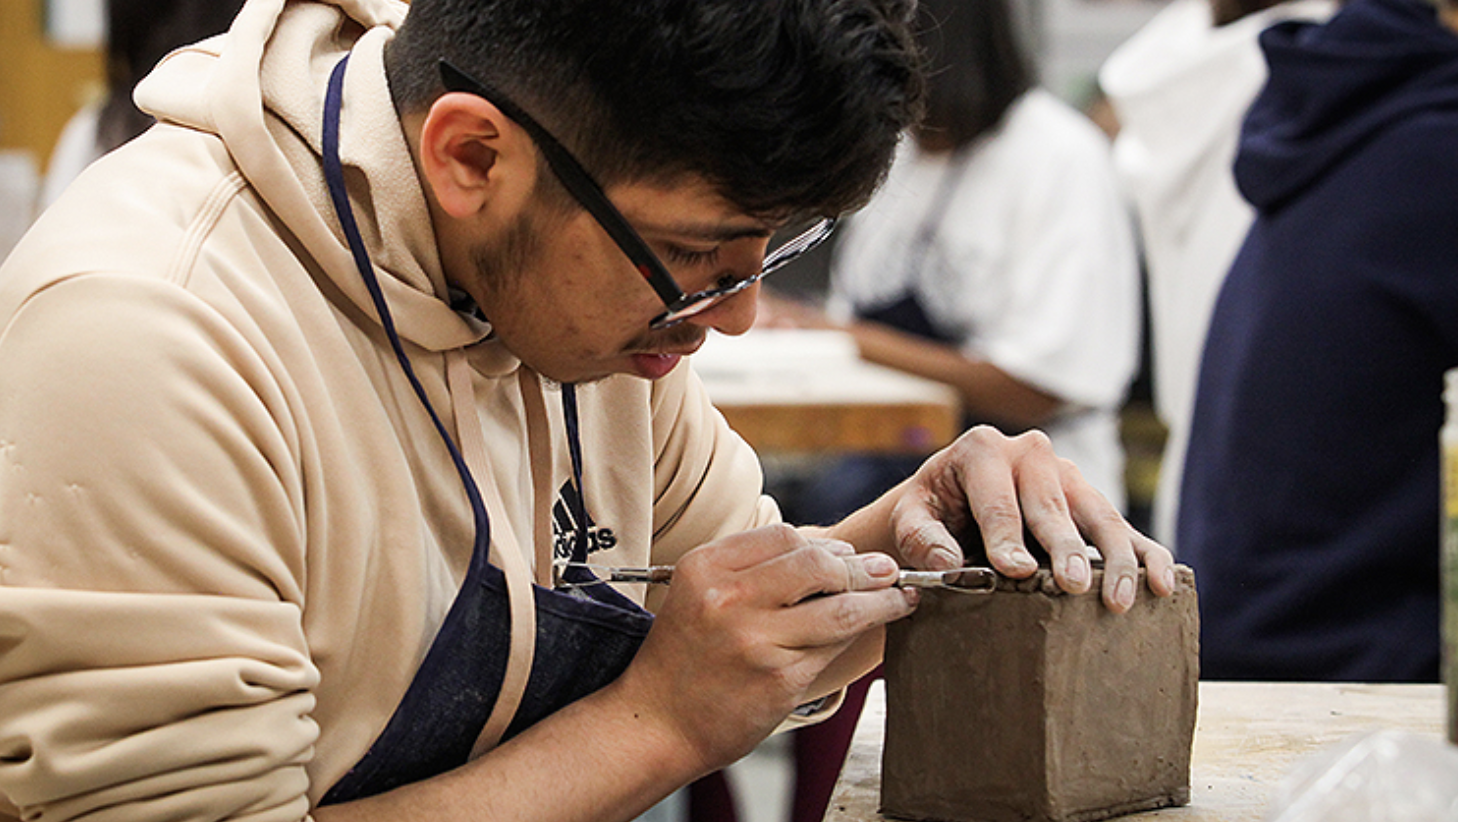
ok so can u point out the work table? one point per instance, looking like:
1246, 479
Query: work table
809, 392
1247, 738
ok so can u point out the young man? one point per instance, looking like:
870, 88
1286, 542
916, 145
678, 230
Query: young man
328, 399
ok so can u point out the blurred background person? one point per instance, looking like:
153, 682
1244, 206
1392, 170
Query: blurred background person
998, 258
1310, 503
1179, 89
139, 33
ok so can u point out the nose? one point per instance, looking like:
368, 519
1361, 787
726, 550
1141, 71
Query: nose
732, 315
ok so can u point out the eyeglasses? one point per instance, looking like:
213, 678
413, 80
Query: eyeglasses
678, 305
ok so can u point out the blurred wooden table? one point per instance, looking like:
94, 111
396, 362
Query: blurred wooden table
1247, 738
808, 392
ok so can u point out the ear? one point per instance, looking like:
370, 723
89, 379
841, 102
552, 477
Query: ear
474, 158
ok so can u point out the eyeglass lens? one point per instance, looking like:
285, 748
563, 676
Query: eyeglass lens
694, 304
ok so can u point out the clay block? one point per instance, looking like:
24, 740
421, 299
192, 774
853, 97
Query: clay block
1029, 704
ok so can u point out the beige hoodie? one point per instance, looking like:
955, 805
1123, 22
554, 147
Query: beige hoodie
228, 531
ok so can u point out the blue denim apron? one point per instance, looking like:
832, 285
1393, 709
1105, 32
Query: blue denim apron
585, 638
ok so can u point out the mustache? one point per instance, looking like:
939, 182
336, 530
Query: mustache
669, 339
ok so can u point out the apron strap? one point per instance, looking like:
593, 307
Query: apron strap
574, 449
539, 449
507, 558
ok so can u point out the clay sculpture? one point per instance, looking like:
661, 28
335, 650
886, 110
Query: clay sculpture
1031, 705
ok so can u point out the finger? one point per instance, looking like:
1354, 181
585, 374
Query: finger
998, 506
1042, 491
838, 547
748, 549
922, 538
1121, 579
815, 570
982, 459
835, 621
870, 572
1112, 535
728, 571
1158, 565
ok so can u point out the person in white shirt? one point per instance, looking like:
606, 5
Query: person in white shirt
998, 258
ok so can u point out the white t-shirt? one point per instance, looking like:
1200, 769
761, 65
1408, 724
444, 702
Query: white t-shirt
1032, 266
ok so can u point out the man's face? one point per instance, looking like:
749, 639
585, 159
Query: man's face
565, 299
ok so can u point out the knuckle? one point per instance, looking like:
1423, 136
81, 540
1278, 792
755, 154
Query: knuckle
793, 680
780, 535
1035, 440
1051, 505
999, 512
1112, 520
918, 537
694, 564
715, 600
745, 646
720, 599
846, 617
984, 436
818, 559
784, 534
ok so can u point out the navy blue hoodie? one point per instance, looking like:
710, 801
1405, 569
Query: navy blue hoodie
1309, 506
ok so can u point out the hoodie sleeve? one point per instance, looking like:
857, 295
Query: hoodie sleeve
153, 663
707, 480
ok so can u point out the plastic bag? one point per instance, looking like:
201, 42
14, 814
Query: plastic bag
1385, 776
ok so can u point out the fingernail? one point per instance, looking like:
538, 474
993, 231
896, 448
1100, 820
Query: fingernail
1169, 579
1077, 570
941, 558
1124, 593
879, 565
1018, 558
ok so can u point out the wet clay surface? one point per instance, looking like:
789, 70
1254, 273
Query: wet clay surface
1029, 704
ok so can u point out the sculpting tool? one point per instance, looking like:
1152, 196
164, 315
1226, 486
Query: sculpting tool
970, 580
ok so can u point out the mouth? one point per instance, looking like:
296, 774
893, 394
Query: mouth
655, 364
670, 345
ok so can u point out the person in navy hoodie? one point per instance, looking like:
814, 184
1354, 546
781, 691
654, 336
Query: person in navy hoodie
1311, 486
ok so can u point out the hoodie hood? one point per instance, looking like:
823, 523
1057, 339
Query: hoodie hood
260, 88
1180, 86
1334, 87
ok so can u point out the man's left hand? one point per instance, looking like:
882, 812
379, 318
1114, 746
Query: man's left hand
1002, 485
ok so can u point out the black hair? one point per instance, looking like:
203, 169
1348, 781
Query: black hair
139, 34
787, 107
976, 67
1225, 12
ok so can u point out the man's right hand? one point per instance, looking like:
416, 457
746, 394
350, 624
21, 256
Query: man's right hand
748, 626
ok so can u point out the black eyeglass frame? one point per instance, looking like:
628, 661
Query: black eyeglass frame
678, 305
